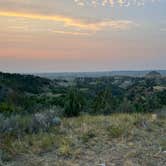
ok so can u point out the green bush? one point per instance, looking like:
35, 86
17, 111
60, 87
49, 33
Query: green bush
126, 107
6, 108
74, 103
104, 102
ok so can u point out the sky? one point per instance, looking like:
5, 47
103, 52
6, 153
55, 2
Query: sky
82, 35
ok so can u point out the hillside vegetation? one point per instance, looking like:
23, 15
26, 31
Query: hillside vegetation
104, 95
116, 120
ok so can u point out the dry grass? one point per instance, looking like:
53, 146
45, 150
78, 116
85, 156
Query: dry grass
119, 139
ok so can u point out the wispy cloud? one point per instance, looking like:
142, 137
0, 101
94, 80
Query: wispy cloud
71, 33
112, 3
81, 24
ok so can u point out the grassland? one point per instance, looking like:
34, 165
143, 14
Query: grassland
118, 139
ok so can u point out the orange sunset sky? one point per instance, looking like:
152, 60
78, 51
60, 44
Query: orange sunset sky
82, 35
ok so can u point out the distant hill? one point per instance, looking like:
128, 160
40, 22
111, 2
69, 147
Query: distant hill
70, 75
17, 92
153, 74
23, 83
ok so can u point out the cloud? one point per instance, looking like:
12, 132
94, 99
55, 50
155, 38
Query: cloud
113, 3
81, 24
71, 33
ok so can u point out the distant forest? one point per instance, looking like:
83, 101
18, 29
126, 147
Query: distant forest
64, 75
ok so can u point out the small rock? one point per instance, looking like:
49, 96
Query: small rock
154, 117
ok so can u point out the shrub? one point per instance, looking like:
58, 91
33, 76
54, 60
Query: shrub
6, 108
88, 135
74, 103
104, 102
115, 131
18, 124
56, 121
65, 148
162, 143
126, 107
43, 121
